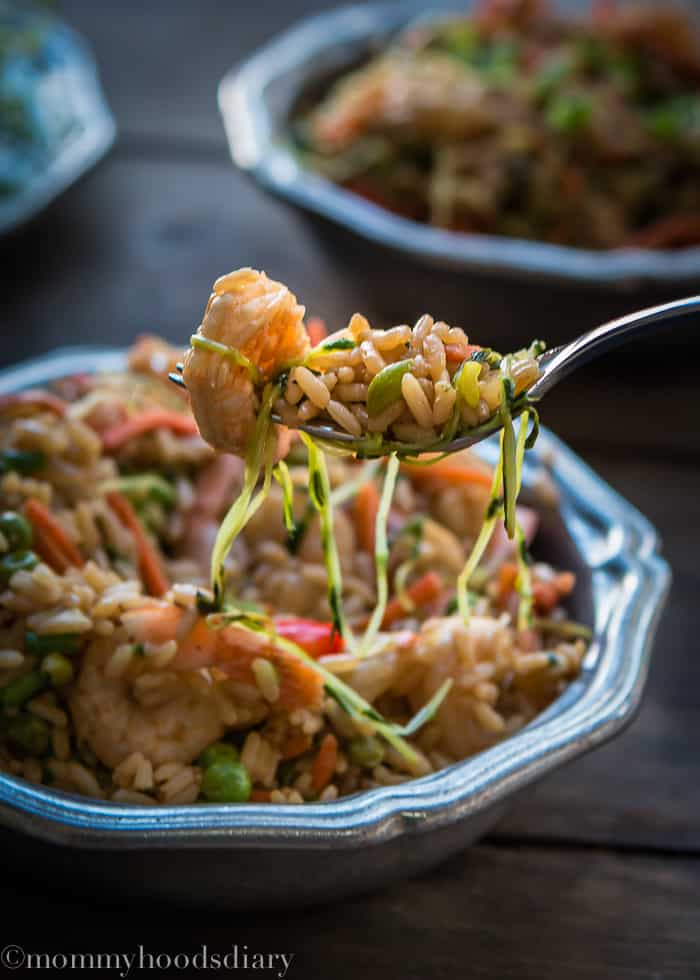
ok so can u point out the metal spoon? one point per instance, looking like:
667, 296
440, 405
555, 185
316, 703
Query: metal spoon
555, 364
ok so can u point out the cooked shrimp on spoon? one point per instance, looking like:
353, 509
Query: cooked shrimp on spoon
407, 390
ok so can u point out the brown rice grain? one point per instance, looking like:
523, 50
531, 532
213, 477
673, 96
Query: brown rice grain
293, 392
434, 352
344, 418
360, 413
351, 393
488, 717
387, 340
359, 327
60, 743
417, 403
308, 411
385, 419
55, 621
411, 433
132, 797
83, 780
267, 679
312, 386
42, 708
445, 397
166, 771
371, 358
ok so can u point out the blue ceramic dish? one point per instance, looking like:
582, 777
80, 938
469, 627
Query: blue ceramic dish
272, 855
257, 97
70, 125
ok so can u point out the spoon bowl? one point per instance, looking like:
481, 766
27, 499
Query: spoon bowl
554, 365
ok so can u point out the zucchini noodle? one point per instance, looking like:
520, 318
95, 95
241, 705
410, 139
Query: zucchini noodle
320, 493
523, 583
229, 353
494, 510
350, 489
259, 455
381, 556
352, 703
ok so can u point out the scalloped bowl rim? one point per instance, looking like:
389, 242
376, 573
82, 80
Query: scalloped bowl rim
591, 710
255, 149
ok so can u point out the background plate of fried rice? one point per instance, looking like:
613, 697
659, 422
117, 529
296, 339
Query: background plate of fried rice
258, 97
255, 854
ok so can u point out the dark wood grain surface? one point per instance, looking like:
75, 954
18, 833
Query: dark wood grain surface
595, 873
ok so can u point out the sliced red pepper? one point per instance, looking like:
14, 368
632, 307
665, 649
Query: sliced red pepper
456, 353
314, 637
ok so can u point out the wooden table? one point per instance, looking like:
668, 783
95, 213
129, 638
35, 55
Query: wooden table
595, 874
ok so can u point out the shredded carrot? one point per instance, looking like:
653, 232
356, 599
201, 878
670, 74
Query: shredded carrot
445, 471
324, 764
565, 582
671, 232
456, 353
149, 563
421, 592
158, 418
50, 553
52, 535
316, 329
506, 580
545, 596
366, 510
297, 743
260, 796
21, 402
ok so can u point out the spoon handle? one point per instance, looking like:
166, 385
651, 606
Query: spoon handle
558, 362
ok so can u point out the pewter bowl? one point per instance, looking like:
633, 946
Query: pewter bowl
258, 96
250, 854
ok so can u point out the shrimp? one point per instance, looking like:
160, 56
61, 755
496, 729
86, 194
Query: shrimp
431, 95
160, 712
261, 320
153, 356
231, 649
109, 716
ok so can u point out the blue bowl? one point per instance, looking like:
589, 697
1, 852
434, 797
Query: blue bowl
64, 95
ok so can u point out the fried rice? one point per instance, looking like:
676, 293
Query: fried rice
117, 683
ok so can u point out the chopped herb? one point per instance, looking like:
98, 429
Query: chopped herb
342, 343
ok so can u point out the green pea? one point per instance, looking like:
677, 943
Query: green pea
58, 668
226, 781
27, 462
569, 114
216, 752
22, 689
39, 646
16, 530
16, 561
365, 751
29, 733
385, 387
